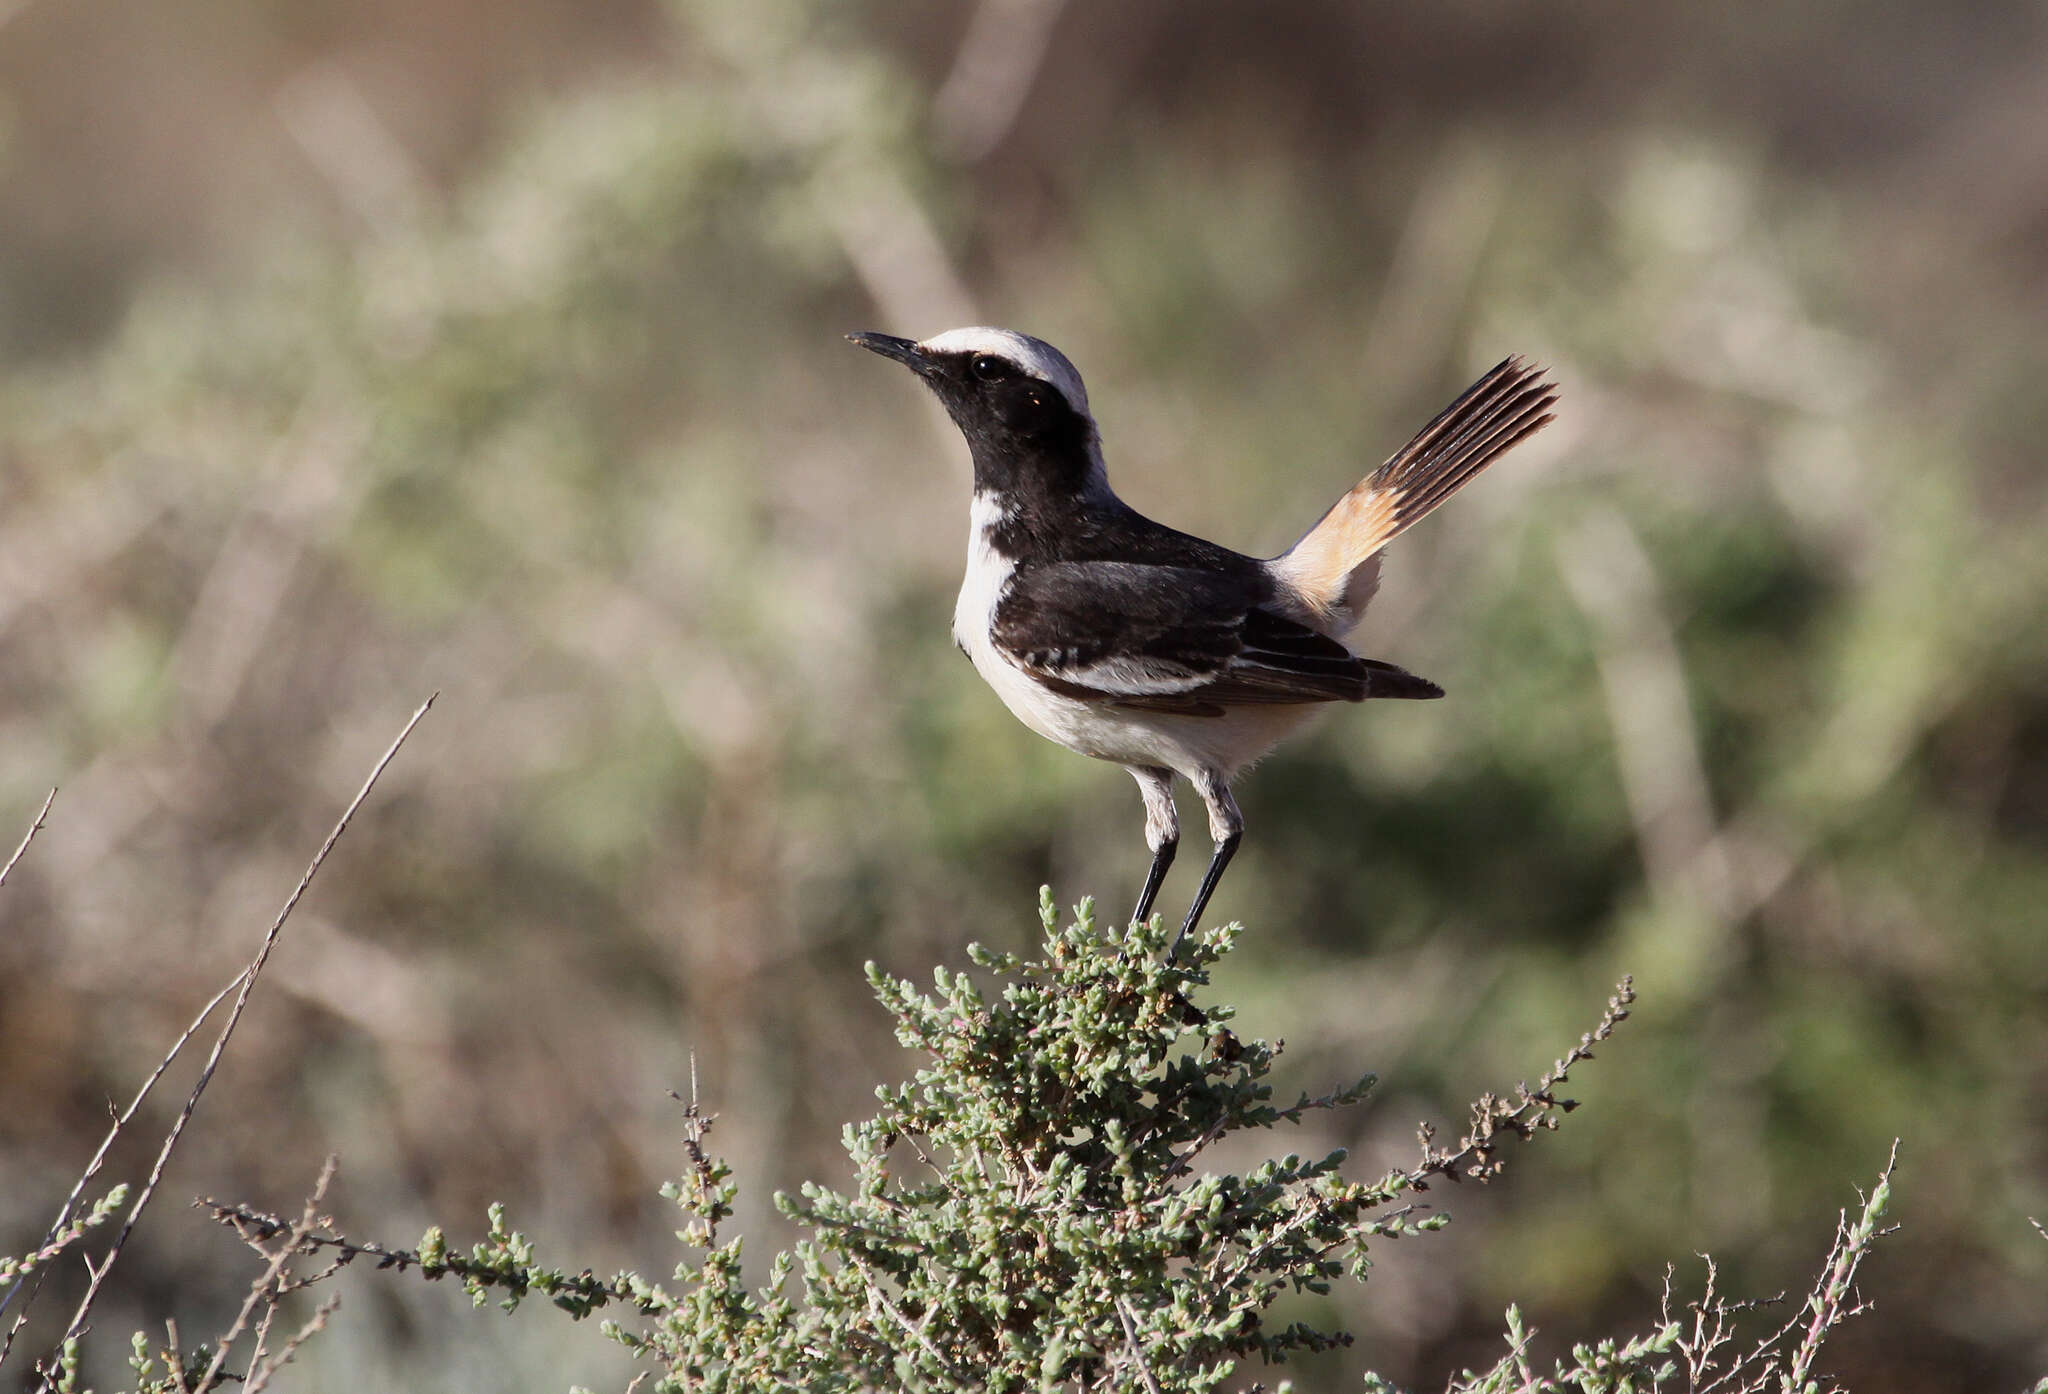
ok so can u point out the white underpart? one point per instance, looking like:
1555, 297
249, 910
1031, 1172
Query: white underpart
1199, 747
988, 571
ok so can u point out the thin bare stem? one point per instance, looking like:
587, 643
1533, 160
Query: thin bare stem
99, 1158
248, 983
1123, 1310
260, 1376
264, 1291
878, 1301
34, 828
177, 1360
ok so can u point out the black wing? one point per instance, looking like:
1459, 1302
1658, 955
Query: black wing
1177, 639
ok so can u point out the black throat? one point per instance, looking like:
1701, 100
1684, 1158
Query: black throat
1038, 460
1035, 457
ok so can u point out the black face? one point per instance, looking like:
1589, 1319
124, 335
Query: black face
993, 391
1021, 429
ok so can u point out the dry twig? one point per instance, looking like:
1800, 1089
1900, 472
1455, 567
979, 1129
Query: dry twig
265, 1292
1123, 1310
247, 981
29, 837
99, 1158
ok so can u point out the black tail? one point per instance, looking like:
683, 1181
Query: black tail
1383, 679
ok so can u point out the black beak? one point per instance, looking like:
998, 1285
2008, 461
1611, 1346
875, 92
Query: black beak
902, 350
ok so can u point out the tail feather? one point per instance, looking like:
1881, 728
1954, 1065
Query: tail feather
1424, 479
1383, 679
1334, 568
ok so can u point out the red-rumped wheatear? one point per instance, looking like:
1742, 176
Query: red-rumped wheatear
1123, 639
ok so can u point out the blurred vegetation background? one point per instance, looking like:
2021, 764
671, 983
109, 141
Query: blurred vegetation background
354, 352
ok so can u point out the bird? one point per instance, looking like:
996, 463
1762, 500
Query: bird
1126, 640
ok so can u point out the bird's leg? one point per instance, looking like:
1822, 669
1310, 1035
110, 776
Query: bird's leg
1162, 858
1162, 830
1218, 859
1226, 829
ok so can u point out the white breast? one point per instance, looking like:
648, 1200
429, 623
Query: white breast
1055, 717
988, 570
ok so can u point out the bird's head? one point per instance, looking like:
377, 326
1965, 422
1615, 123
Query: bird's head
1017, 399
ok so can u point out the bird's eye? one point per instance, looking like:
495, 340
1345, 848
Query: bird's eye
989, 368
